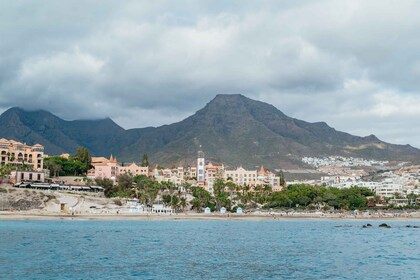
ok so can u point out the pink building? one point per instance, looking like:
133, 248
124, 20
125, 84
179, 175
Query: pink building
111, 169
105, 169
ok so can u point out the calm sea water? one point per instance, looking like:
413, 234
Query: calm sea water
301, 249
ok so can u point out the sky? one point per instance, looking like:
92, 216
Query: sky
353, 64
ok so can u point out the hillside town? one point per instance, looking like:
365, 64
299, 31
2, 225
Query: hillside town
399, 184
340, 161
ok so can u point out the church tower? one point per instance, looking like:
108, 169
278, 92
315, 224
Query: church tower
200, 167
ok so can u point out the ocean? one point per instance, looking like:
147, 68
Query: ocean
278, 249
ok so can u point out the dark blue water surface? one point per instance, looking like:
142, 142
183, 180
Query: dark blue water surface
291, 249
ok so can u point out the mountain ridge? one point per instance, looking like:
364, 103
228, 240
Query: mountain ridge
232, 129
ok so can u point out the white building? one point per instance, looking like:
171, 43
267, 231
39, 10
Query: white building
388, 189
370, 185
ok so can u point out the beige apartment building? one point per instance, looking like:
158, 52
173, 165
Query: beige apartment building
253, 178
175, 175
17, 153
241, 176
134, 169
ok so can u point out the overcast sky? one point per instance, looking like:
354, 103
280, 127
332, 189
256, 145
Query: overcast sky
353, 64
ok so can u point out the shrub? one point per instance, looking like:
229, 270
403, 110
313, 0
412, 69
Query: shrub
50, 197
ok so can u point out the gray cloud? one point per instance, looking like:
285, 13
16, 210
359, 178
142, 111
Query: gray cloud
353, 64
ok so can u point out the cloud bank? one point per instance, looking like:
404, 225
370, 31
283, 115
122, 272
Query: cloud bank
353, 64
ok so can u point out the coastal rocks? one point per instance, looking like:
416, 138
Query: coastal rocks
23, 204
384, 226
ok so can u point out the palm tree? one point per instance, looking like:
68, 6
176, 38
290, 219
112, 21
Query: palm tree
183, 203
232, 187
175, 202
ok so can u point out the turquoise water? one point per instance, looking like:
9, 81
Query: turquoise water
301, 249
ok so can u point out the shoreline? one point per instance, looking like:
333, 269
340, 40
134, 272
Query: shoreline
186, 217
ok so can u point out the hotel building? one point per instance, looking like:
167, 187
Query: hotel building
17, 153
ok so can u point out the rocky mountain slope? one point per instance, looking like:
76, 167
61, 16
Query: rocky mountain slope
230, 128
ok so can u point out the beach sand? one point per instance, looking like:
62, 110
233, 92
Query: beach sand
87, 206
191, 216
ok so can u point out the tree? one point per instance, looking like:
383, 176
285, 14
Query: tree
107, 184
232, 188
56, 169
5, 170
145, 160
125, 182
175, 202
83, 155
197, 204
201, 198
104, 182
279, 199
54, 164
73, 166
280, 174
183, 203
166, 198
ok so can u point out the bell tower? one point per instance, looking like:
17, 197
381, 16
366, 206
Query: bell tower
200, 167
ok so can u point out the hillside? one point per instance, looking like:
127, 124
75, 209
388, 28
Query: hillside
230, 128
60, 136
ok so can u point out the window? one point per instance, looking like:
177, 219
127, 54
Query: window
30, 176
38, 177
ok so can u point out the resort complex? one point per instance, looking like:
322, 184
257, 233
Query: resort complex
29, 167
203, 174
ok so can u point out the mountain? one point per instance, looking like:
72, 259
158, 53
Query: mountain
60, 136
232, 129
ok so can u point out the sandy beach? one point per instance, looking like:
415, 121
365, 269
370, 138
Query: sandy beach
42, 205
196, 216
